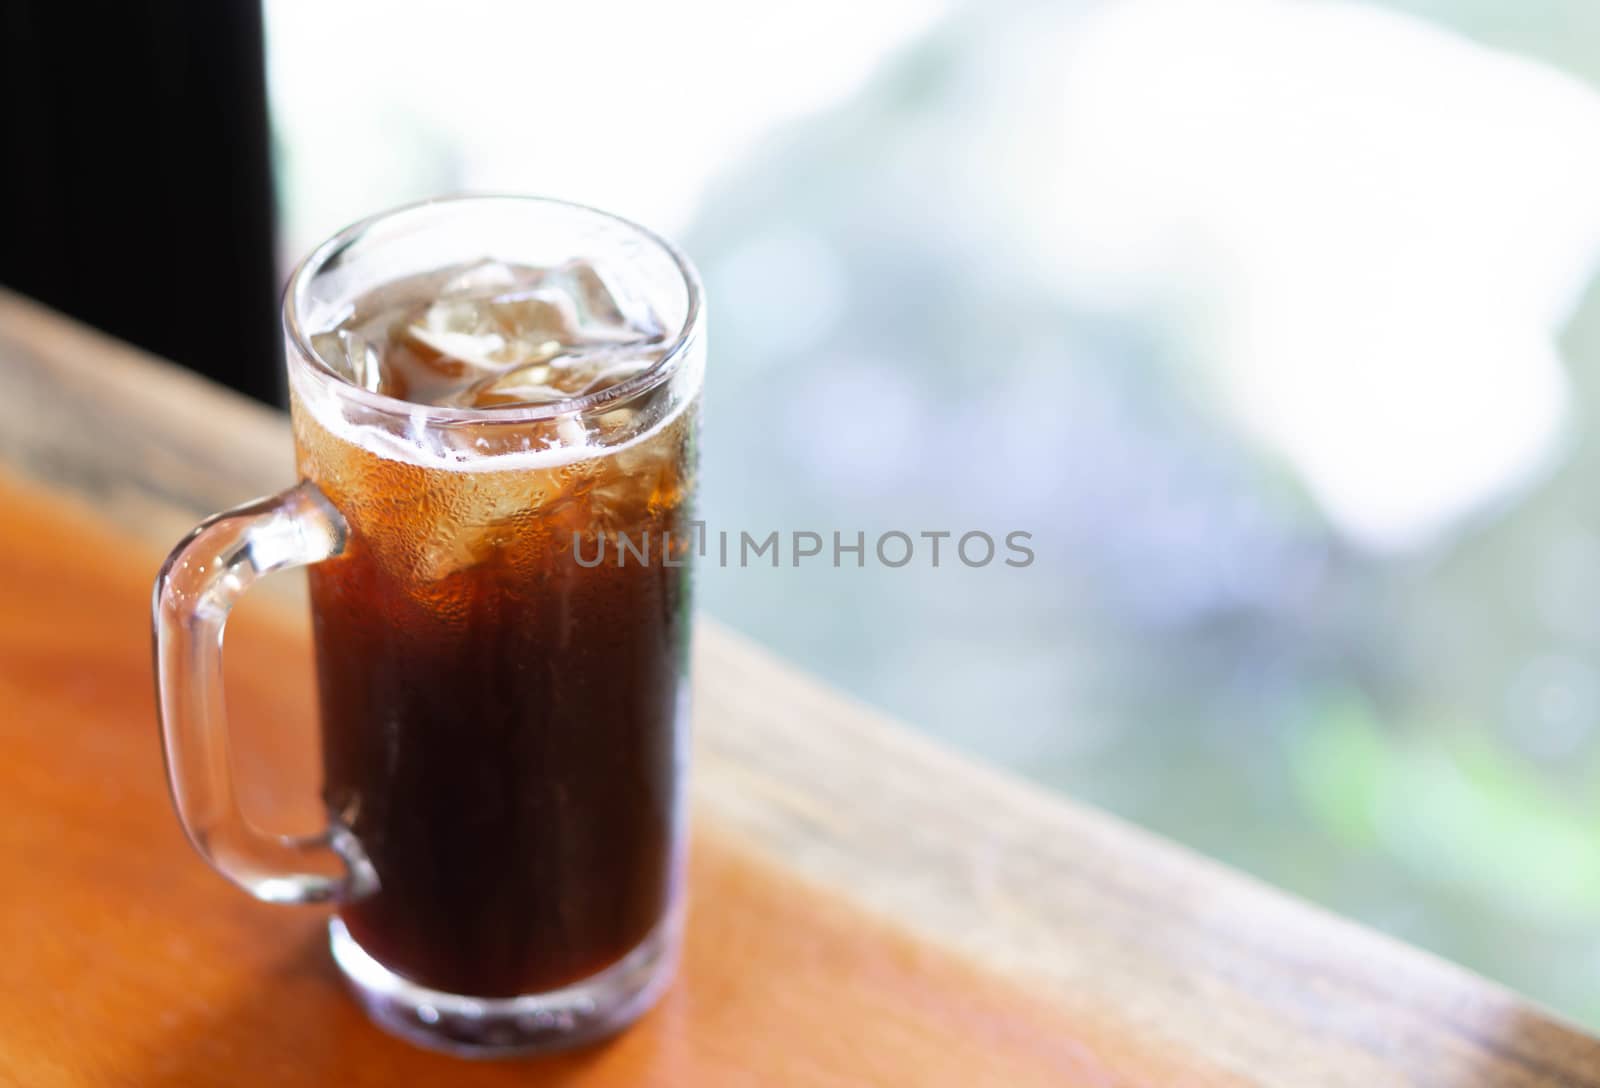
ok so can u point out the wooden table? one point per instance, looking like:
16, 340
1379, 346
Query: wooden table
866, 908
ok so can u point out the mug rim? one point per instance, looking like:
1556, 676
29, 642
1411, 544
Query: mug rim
296, 291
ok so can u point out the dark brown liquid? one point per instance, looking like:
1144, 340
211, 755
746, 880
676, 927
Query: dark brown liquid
503, 727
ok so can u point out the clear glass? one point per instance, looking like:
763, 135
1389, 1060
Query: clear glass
504, 708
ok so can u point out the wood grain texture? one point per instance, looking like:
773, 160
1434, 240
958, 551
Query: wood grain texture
129, 963
867, 908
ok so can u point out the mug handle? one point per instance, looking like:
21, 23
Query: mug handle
198, 585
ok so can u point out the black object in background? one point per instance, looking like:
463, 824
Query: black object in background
136, 185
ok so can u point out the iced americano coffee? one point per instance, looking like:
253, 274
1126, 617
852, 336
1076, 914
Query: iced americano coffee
500, 721
491, 397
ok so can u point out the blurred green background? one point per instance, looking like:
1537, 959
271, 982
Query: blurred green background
1273, 323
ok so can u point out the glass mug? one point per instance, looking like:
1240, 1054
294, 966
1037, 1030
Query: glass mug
503, 705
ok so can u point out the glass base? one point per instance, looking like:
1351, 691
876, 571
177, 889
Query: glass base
497, 1027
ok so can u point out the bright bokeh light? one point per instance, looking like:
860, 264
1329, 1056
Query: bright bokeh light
630, 107
1374, 229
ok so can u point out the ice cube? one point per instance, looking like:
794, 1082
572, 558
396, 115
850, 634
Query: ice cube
499, 332
487, 277
560, 377
528, 384
349, 355
466, 521
605, 307
489, 333
538, 320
